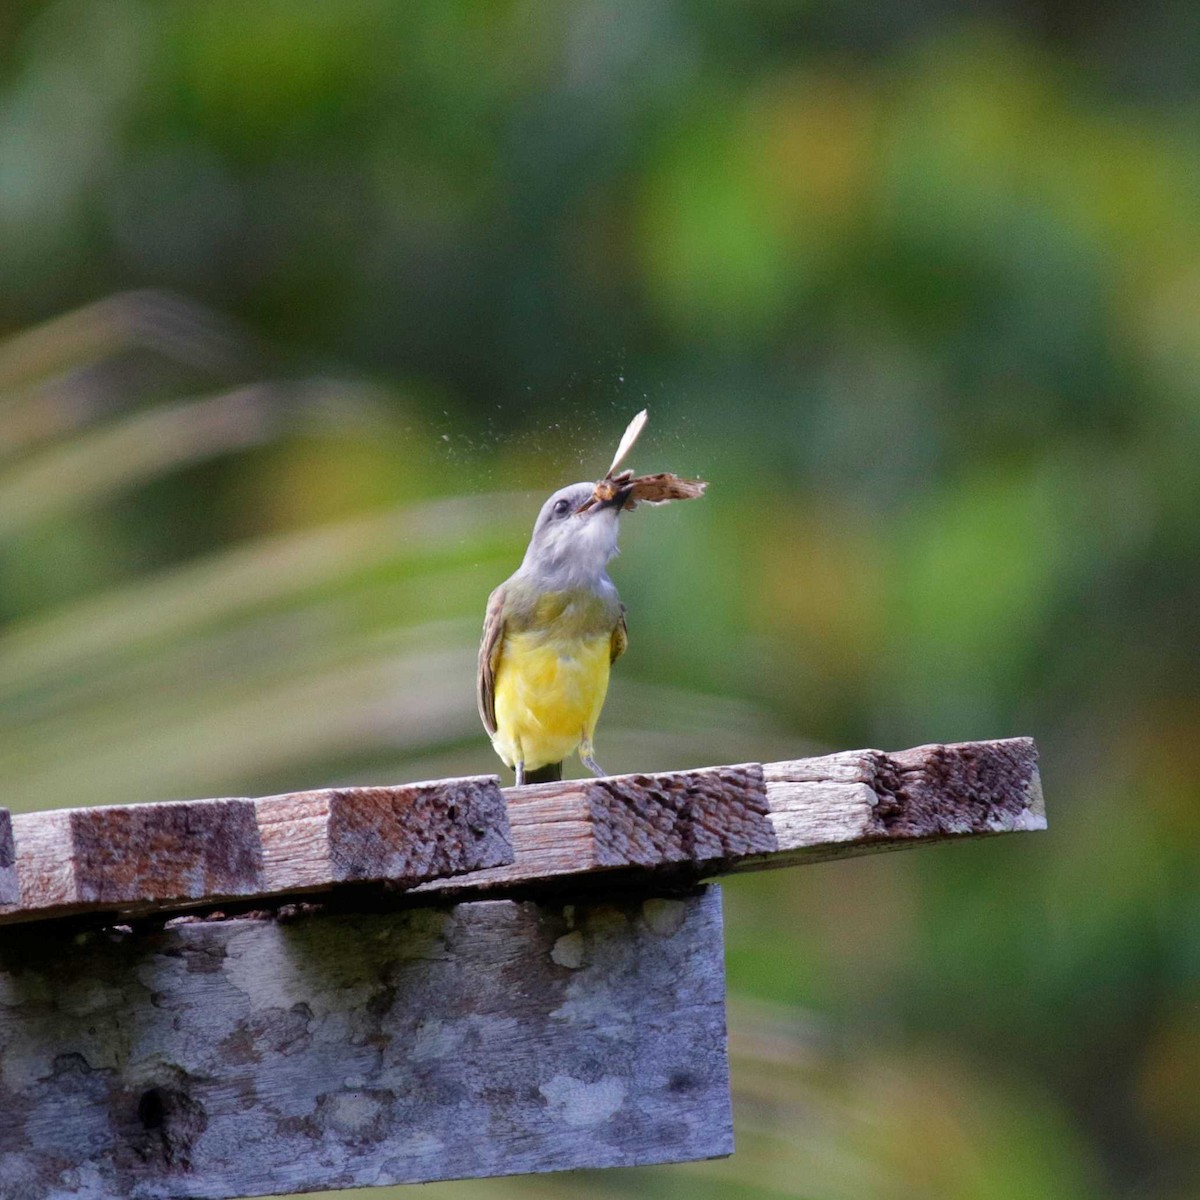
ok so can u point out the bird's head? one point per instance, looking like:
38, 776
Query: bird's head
571, 544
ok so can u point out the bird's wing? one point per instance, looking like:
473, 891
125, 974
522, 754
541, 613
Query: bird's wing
620, 638
489, 659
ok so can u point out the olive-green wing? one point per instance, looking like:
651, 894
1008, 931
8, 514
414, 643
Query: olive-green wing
620, 638
489, 659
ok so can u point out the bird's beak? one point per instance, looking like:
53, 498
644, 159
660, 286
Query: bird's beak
607, 495
617, 500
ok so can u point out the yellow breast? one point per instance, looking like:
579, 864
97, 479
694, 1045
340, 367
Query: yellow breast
549, 693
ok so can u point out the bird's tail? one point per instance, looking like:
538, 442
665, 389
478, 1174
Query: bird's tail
550, 773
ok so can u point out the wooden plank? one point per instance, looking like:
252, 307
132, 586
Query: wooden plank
455, 834
399, 834
749, 818
852, 803
241, 1057
139, 858
707, 817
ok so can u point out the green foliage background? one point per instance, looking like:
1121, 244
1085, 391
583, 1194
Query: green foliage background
309, 303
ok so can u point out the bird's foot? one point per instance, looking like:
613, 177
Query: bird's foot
592, 765
520, 770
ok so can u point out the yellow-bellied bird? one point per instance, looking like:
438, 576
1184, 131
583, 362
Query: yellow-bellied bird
552, 631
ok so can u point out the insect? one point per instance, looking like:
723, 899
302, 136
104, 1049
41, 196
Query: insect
650, 489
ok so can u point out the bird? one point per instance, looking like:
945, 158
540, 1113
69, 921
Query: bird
552, 631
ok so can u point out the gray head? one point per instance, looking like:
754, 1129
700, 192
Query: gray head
570, 547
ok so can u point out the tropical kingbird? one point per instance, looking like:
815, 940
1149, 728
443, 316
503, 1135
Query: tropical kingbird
552, 631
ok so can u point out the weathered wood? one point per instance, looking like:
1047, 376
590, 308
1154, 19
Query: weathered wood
10, 889
864, 800
400, 834
703, 818
222, 1058
239, 1057
138, 858
79, 859
730, 819
455, 834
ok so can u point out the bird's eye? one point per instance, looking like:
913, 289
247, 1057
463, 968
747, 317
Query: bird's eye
561, 507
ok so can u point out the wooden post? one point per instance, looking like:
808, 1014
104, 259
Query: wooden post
476, 982
240, 1057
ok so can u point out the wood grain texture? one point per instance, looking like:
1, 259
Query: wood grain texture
463, 836
400, 834
241, 1057
201, 848
729, 819
704, 818
139, 858
865, 800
